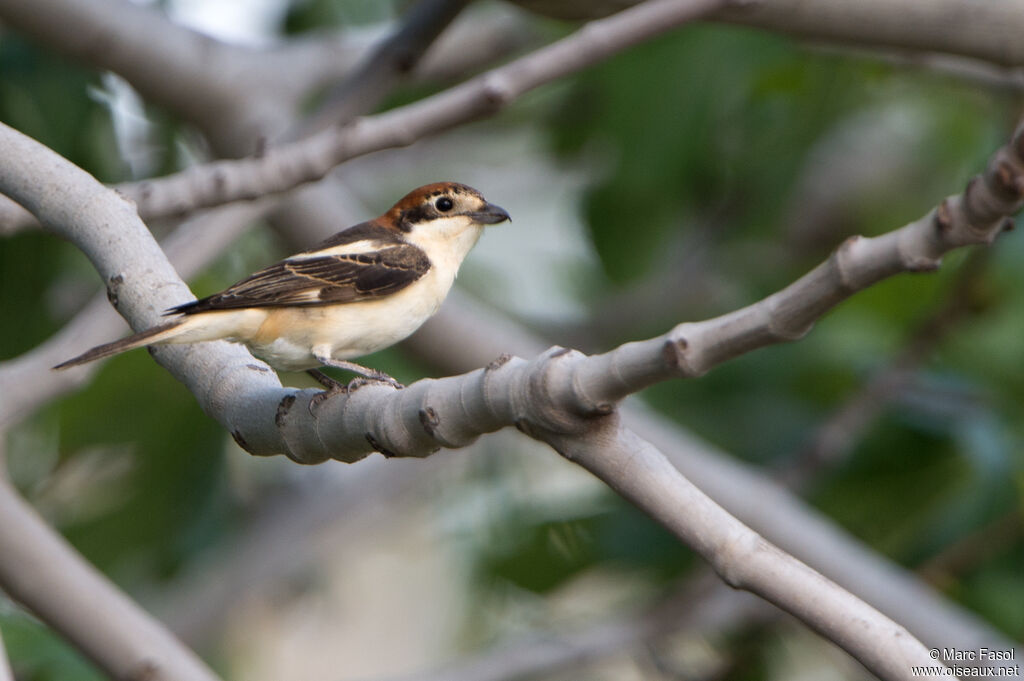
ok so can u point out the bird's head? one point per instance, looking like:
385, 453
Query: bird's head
444, 214
443, 201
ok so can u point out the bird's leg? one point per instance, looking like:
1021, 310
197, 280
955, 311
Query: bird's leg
365, 372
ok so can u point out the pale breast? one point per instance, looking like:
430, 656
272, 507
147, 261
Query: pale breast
290, 337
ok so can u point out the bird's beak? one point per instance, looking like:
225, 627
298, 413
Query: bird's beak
490, 214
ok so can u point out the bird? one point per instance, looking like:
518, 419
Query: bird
362, 290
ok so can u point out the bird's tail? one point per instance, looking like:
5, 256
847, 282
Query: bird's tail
157, 334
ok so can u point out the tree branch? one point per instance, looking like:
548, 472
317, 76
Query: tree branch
743, 559
41, 571
984, 30
392, 59
287, 166
977, 216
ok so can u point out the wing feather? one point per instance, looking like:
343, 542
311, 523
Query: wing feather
328, 280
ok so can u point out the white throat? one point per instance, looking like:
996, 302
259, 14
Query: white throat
447, 241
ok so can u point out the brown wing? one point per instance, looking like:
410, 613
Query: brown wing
326, 280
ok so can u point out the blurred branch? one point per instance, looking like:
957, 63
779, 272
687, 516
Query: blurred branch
40, 570
287, 166
391, 60
984, 30
970, 70
468, 45
205, 81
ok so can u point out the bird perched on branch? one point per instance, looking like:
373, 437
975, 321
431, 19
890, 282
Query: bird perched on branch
361, 290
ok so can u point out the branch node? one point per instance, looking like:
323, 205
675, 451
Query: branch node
1008, 180
674, 352
126, 198
842, 255
283, 407
923, 264
113, 288
220, 181
501, 361
429, 420
496, 91
1018, 143
943, 218
147, 670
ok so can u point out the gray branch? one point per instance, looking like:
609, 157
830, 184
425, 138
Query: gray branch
287, 166
38, 568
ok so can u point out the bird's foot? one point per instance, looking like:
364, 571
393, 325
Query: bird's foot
367, 374
332, 386
326, 381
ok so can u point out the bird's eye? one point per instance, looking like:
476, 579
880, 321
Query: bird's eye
444, 204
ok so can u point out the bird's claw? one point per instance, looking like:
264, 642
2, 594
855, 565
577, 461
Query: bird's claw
359, 382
